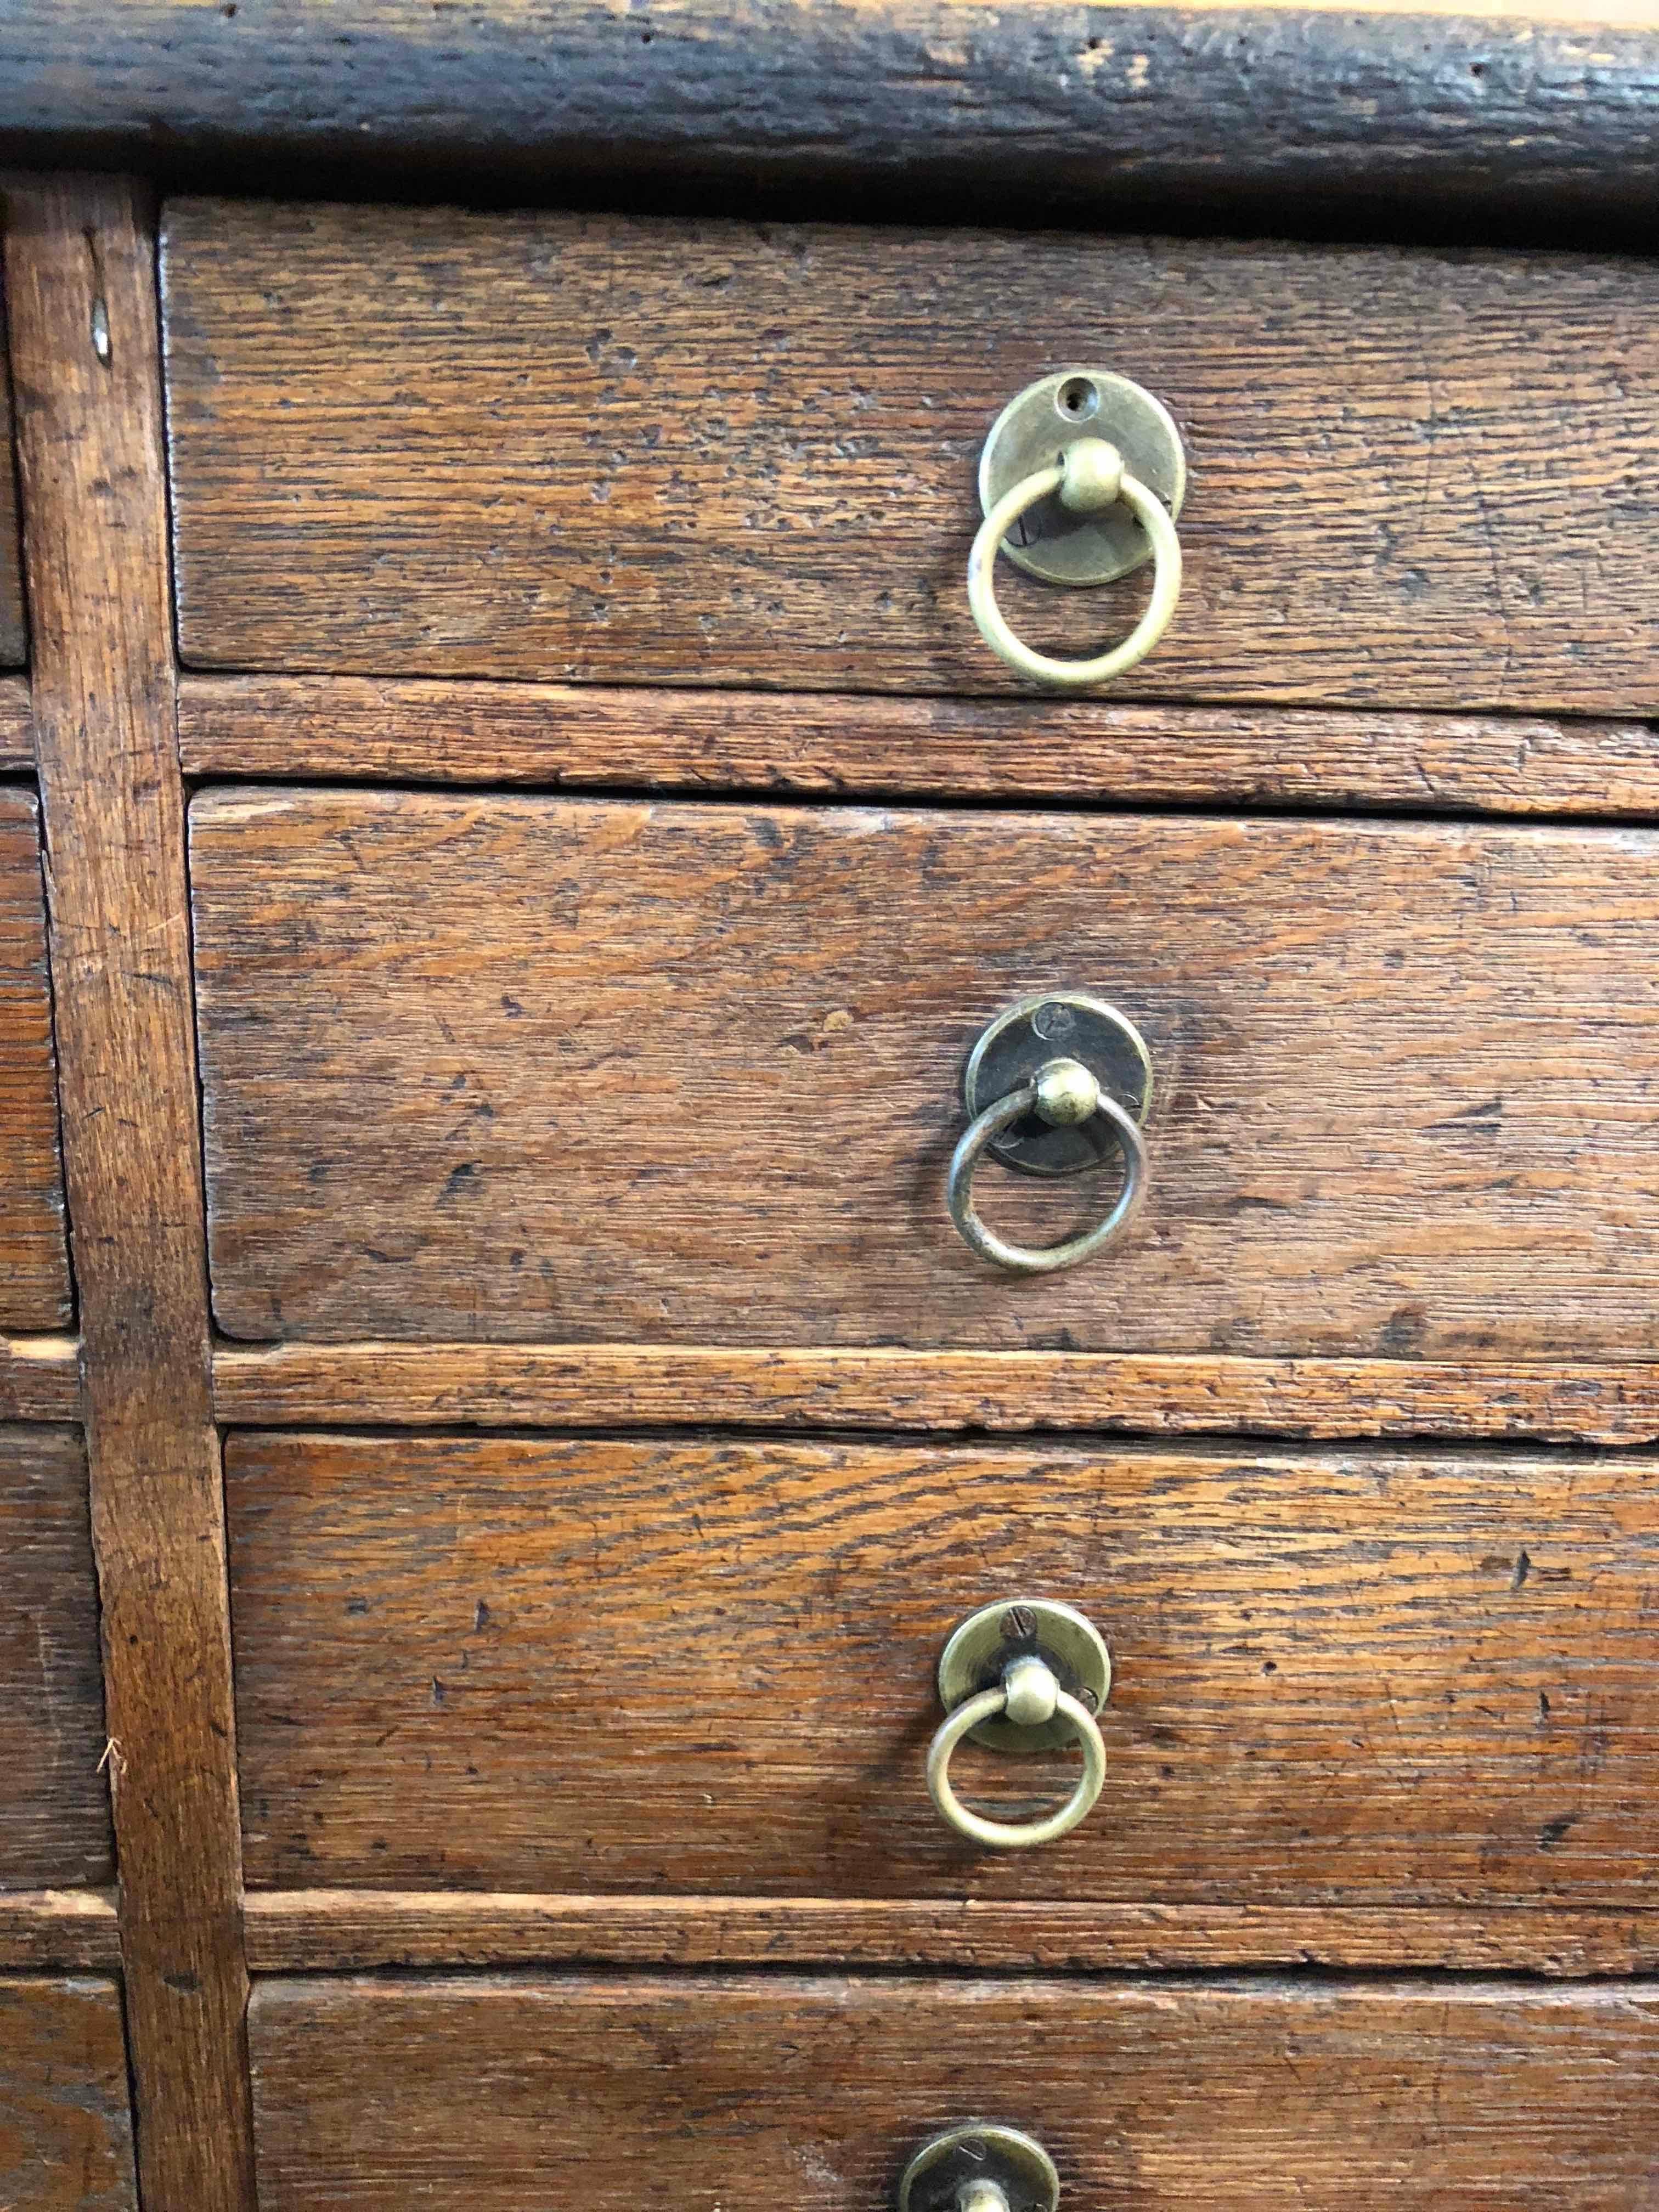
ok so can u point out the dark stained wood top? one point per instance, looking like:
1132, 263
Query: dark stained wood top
1042, 106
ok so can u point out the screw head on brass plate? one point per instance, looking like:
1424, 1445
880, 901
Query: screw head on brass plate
1024, 1040
1032, 432
988, 1643
959, 2162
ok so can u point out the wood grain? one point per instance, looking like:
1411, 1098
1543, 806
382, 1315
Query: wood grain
1493, 110
54, 1802
404, 730
61, 1928
39, 1378
66, 2128
493, 1386
413, 441
99, 618
603, 1665
335, 1930
512, 2094
566, 1070
13, 632
34, 1278
17, 725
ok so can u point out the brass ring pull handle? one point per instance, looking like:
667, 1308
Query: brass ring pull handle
1056, 1085
980, 2168
1090, 477
1033, 1648
1052, 1094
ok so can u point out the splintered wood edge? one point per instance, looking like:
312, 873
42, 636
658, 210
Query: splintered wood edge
16, 726
458, 731
61, 1930
603, 1386
39, 1378
301, 1931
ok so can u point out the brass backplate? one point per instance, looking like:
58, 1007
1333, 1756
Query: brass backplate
940, 2171
1066, 1642
1034, 430
1052, 1025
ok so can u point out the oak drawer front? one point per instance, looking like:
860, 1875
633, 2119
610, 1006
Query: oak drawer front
409, 440
536, 1069
54, 1806
546, 1666
509, 2095
35, 1280
65, 2126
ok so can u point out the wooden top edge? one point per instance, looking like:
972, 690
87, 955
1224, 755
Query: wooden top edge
1060, 106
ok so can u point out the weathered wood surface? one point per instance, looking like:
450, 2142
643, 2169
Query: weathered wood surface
820, 744
521, 1664
409, 440
345, 1930
17, 724
95, 510
13, 632
34, 1277
61, 1928
515, 2093
497, 1386
54, 1802
39, 1378
1487, 110
66, 2127
565, 1070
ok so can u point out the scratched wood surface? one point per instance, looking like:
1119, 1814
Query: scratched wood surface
515, 2093
34, 1276
54, 1801
539, 1069
428, 730
520, 1664
94, 502
14, 631
66, 2127
582, 447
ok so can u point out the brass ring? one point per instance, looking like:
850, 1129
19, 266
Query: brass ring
1086, 482
1042, 1259
1011, 1835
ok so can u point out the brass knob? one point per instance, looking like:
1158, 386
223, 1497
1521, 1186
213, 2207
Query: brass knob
980, 2168
1025, 1676
1061, 1063
1076, 464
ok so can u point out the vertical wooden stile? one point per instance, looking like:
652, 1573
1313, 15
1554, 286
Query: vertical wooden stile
79, 275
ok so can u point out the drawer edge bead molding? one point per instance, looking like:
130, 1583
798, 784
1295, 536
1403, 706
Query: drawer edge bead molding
96, 557
353, 1931
586, 1386
439, 729
1047, 107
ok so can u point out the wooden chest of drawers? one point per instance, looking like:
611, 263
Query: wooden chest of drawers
515, 848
